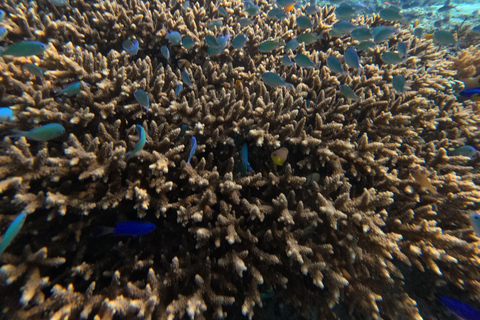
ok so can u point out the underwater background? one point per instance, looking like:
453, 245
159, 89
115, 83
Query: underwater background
239, 159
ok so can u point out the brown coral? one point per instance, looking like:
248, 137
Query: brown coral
224, 240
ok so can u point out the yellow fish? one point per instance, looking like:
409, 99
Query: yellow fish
279, 156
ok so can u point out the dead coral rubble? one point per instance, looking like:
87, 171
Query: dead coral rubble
368, 186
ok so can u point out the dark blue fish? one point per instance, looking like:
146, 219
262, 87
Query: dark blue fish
192, 149
128, 228
460, 309
244, 164
473, 94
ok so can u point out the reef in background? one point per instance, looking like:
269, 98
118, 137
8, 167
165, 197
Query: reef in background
387, 195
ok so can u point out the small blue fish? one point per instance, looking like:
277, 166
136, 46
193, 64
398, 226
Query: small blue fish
6, 114
275, 81
345, 12
245, 22
391, 14
391, 58
186, 79
308, 38
3, 33
286, 3
286, 61
342, 28
239, 41
444, 37
192, 149
335, 65
58, 3
418, 32
291, 45
43, 133
304, 22
472, 94
349, 93
402, 49
383, 33
475, 222
186, 5
178, 90
24, 49
460, 309
165, 53
130, 46
3, 14
223, 40
361, 34
250, 7
312, 9
184, 130
466, 151
217, 24
141, 141
174, 38
304, 62
351, 58
222, 11
142, 98
71, 90
244, 164
188, 42
398, 83
276, 13
127, 228
35, 70
12, 231
365, 45
211, 41
269, 45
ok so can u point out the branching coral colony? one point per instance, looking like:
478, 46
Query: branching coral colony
342, 223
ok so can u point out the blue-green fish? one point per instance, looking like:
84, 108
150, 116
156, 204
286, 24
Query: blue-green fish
222, 11
217, 24
308, 38
312, 9
130, 47
304, 22
142, 98
365, 45
391, 14
276, 13
250, 7
391, 58
286, 3
335, 65
165, 53
303, 61
418, 32
402, 49
348, 92
192, 149
35, 70
269, 45
345, 12
141, 141
174, 38
3, 33
239, 41
245, 22
291, 45
71, 90
444, 37
188, 42
12, 231
58, 3
44, 133
361, 34
183, 130
186, 79
6, 115
24, 49
351, 58
398, 83
3, 14
275, 81
186, 5
244, 164
466, 151
211, 41
342, 28
178, 90
383, 33
223, 40
286, 61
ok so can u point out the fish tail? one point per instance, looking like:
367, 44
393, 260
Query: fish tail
103, 231
17, 133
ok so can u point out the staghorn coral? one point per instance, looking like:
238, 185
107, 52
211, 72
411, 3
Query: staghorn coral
224, 240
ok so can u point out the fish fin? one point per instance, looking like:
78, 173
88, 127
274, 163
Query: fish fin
17, 133
103, 231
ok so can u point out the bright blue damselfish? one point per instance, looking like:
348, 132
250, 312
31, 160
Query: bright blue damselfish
460, 309
141, 142
128, 228
130, 46
192, 149
244, 164
12, 230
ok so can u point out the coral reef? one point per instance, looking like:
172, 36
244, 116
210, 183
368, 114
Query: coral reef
225, 240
